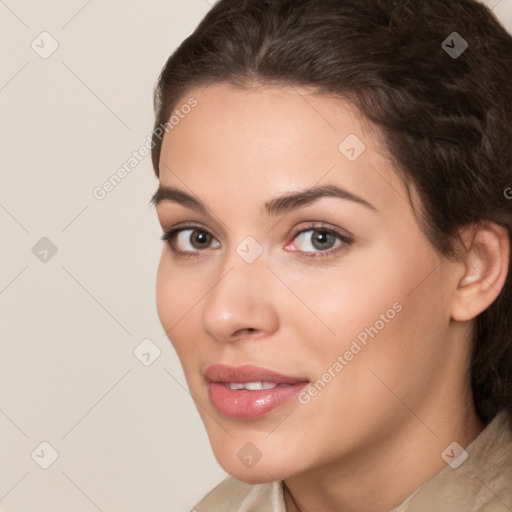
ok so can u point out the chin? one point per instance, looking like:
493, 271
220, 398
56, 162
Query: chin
260, 473
235, 459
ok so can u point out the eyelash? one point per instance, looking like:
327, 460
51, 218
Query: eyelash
170, 235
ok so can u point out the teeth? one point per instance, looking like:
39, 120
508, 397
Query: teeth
251, 386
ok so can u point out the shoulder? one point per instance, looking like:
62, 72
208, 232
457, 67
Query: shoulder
232, 495
481, 480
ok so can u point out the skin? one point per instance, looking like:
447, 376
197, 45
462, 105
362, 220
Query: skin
382, 423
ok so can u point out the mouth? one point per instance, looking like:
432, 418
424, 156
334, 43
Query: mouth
249, 392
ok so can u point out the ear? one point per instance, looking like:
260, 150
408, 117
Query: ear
484, 266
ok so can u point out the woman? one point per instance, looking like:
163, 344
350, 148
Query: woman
335, 184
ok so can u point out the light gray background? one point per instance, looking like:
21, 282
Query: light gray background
127, 435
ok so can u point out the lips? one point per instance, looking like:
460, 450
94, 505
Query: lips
247, 373
249, 392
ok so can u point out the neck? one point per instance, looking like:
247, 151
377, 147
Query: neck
379, 477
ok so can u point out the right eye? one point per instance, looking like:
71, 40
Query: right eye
185, 241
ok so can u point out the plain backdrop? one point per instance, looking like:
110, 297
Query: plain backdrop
94, 409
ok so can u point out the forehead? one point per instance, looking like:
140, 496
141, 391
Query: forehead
275, 138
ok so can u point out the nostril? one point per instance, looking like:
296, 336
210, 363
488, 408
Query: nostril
247, 330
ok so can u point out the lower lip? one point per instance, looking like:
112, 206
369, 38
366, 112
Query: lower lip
248, 405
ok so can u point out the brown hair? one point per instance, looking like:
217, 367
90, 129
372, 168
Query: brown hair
446, 119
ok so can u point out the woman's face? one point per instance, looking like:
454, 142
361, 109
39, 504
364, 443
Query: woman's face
341, 295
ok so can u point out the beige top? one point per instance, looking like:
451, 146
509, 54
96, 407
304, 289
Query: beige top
482, 483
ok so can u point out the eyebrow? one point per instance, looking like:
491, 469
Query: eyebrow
275, 206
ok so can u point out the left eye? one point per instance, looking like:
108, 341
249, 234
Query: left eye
312, 240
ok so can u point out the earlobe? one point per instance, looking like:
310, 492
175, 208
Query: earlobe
485, 266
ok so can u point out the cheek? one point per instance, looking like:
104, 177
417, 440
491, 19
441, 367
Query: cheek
389, 318
339, 302
166, 294
386, 300
178, 295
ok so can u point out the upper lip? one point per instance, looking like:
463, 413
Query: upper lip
247, 373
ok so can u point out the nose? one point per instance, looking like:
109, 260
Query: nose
240, 303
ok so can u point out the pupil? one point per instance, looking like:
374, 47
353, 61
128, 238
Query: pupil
321, 239
200, 238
